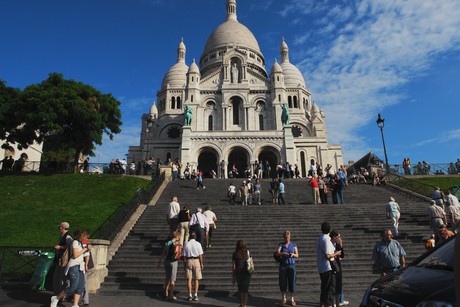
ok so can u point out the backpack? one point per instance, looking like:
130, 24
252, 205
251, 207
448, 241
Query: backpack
174, 252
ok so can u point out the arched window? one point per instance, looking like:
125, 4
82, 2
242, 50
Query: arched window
210, 122
295, 102
178, 103
236, 112
173, 103
279, 98
261, 122
278, 78
191, 99
290, 102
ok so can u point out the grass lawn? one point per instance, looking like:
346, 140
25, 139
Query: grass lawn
33, 205
444, 182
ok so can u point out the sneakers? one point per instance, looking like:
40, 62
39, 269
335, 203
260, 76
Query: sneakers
54, 301
195, 297
345, 303
204, 187
189, 297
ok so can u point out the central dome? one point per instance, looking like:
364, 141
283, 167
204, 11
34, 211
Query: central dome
231, 32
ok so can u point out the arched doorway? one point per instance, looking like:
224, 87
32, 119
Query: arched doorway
272, 156
240, 157
207, 161
303, 165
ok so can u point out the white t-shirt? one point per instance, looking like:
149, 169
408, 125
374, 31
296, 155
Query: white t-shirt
210, 216
76, 261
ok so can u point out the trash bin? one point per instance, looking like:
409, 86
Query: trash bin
45, 261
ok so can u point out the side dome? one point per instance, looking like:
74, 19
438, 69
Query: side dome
292, 75
231, 32
177, 74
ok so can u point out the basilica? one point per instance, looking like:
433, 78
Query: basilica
227, 110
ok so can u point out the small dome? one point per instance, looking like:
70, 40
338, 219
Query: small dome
292, 75
194, 68
153, 110
176, 76
276, 68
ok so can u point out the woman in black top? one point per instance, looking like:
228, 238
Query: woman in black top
240, 272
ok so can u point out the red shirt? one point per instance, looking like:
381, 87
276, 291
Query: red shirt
314, 183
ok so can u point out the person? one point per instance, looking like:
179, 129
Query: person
199, 180
174, 171
192, 255
281, 192
437, 216
287, 269
89, 264
443, 234
76, 270
438, 197
170, 266
199, 224
250, 191
315, 190
222, 169
257, 192
452, 210
340, 185
212, 219
244, 191
172, 215
388, 254
325, 254
65, 240
184, 219
86, 166
231, 193
322, 190
274, 190
240, 273
296, 171
394, 213
336, 240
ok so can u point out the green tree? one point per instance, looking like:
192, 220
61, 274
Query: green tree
9, 115
70, 117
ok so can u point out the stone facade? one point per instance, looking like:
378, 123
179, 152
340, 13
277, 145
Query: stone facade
236, 109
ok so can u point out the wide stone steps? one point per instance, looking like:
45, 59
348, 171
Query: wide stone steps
134, 269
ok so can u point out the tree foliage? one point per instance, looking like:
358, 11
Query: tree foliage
70, 117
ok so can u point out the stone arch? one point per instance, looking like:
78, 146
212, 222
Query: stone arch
273, 156
240, 157
208, 158
236, 102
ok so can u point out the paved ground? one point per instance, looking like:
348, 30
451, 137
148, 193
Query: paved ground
20, 296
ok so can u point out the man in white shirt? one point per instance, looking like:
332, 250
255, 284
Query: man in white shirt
192, 255
325, 252
199, 224
172, 215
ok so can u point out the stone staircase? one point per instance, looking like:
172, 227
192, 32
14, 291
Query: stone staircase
134, 269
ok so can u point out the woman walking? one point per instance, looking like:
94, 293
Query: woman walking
240, 272
287, 270
75, 269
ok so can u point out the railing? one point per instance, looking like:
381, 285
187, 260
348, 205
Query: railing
17, 267
110, 228
427, 169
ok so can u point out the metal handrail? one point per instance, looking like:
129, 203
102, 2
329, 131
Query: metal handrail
14, 266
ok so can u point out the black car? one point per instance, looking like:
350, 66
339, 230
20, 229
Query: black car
426, 282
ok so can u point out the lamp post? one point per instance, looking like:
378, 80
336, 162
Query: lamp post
380, 123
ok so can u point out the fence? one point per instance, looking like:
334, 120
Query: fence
17, 267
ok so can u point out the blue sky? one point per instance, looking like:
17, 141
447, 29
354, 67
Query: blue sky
397, 57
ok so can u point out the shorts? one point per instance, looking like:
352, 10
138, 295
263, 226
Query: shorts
193, 269
170, 270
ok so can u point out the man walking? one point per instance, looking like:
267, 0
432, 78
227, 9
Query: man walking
193, 262
199, 224
388, 254
281, 192
437, 216
172, 215
65, 241
325, 254
315, 190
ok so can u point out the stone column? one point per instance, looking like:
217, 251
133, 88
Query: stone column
99, 272
289, 145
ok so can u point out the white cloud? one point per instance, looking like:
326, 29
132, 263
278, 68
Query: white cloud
444, 137
379, 46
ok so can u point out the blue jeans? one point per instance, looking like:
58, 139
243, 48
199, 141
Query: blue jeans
287, 277
77, 281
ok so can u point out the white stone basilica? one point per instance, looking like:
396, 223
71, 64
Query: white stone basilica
236, 109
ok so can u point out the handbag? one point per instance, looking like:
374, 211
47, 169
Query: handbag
249, 264
277, 257
335, 266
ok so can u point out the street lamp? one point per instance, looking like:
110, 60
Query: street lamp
380, 123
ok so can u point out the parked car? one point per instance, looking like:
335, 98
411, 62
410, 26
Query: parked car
426, 282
